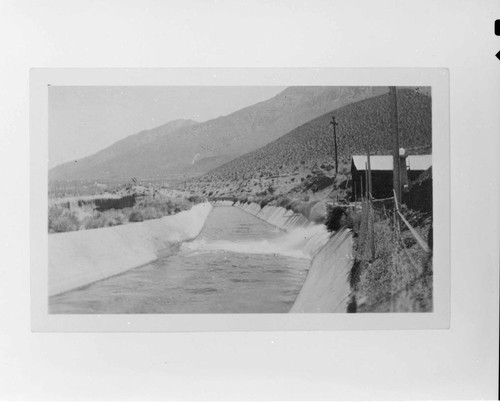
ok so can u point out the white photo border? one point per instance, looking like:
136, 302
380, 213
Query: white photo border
41, 79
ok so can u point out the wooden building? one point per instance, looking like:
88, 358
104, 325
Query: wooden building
382, 173
419, 198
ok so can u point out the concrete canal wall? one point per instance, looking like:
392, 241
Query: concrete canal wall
326, 288
82, 257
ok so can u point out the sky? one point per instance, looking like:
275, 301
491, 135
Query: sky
84, 120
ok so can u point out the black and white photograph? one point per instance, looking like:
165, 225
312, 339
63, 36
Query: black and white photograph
249, 200
240, 199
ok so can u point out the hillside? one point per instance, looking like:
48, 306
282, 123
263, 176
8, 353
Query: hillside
309, 150
360, 125
108, 159
194, 149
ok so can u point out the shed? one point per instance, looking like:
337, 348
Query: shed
417, 164
382, 173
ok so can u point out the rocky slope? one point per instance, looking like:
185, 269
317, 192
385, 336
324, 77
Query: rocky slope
361, 126
306, 154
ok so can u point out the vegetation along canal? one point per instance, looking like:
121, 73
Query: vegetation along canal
238, 264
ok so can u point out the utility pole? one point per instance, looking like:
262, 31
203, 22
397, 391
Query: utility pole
393, 94
367, 183
335, 124
369, 169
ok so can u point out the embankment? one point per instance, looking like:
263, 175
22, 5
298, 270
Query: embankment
326, 288
82, 257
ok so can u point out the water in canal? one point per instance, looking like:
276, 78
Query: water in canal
238, 264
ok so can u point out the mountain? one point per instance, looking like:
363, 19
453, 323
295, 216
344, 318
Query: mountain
361, 125
194, 149
120, 149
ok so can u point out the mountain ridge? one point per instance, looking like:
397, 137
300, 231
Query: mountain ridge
195, 149
361, 124
128, 144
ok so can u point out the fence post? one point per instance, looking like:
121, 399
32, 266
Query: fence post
361, 195
395, 201
372, 229
415, 234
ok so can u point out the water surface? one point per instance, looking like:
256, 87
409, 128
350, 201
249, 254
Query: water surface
238, 264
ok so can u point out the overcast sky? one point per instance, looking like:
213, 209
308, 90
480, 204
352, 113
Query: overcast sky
84, 120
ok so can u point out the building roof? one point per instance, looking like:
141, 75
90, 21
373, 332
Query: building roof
419, 162
384, 162
377, 162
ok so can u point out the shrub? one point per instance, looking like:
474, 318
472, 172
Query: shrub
195, 199
335, 219
93, 222
151, 213
159, 207
283, 202
111, 217
318, 212
180, 204
354, 221
62, 220
135, 216
115, 217
299, 207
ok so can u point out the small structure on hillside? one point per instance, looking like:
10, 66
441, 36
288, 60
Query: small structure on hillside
382, 170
